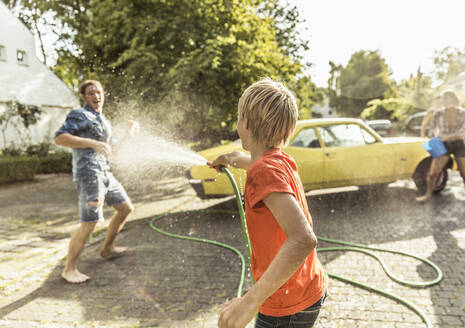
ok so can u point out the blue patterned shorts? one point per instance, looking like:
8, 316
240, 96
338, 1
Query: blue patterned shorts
93, 190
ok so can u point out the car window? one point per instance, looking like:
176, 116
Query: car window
368, 137
416, 122
342, 135
306, 138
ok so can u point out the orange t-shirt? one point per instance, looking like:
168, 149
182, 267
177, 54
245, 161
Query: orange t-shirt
276, 171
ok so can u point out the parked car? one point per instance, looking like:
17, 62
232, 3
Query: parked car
383, 127
413, 123
332, 152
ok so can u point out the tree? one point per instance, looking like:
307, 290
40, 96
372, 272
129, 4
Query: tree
449, 63
333, 85
287, 26
307, 94
181, 63
395, 109
411, 95
364, 78
417, 91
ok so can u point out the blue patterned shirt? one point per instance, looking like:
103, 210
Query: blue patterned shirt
85, 122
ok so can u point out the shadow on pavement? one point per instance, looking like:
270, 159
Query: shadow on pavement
160, 279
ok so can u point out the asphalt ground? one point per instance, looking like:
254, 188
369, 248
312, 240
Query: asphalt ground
166, 282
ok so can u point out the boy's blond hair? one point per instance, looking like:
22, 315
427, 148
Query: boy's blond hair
271, 112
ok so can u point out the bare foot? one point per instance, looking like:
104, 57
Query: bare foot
113, 252
423, 199
74, 276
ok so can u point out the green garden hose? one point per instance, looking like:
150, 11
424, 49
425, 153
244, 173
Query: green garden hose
202, 240
349, 246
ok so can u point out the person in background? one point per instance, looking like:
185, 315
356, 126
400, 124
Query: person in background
426, 130
88, 133
448, 123
291, 283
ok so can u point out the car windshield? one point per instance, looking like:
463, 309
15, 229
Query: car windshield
342, 135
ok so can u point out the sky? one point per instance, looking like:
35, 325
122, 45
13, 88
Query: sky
406, 32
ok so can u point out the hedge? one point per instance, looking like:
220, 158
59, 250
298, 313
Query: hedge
17, 168
23, 168
60, 162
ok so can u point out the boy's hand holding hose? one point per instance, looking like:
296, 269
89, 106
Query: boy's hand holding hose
219, 162
236, 159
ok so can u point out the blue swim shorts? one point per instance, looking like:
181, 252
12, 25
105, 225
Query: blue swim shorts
93, 190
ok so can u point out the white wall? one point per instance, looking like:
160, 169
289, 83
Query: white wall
30, 82
43, 131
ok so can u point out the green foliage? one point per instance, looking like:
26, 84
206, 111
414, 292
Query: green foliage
364, 78
46, 159
449, 63
51, 159
412, 95
194, 65
29, 114
15, 169
12, 151
307, 95
180, 63
286, 24
59, 162
41, 150
395, 109
417, 91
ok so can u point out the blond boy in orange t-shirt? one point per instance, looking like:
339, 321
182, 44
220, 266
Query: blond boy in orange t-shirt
290, 283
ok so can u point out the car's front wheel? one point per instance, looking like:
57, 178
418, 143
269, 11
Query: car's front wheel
421, 174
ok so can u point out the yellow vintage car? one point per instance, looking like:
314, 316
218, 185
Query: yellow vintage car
330, 153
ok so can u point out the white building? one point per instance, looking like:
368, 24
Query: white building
324, 110
26, 80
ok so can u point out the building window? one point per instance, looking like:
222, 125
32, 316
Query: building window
2, 53
21, 57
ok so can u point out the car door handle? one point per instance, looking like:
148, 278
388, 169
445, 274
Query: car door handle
329, 153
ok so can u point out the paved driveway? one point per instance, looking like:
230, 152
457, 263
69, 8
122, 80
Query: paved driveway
166, 282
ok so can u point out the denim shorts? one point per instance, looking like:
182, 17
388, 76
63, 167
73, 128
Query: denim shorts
303, 319
98, 188
456, 147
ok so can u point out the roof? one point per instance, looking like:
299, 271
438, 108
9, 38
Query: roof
38, 87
